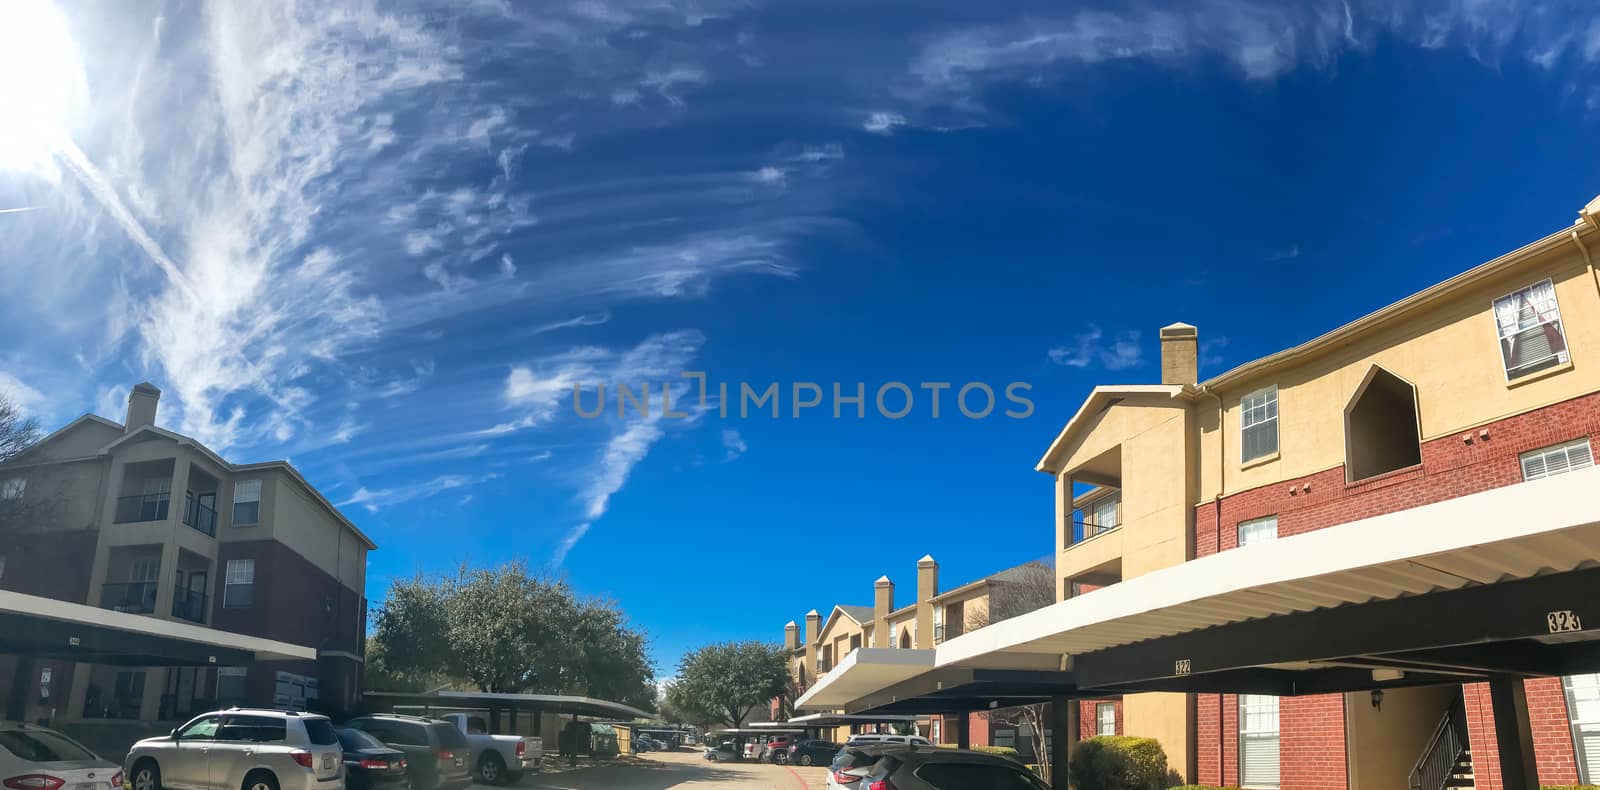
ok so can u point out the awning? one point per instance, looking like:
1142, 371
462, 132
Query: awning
544, 703
1522, 531
47, 628
840, 719
862, 672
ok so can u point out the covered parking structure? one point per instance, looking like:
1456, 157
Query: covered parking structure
498, 704
34, 629
1477, 588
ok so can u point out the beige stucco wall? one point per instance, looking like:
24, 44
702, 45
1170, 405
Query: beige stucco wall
1450, 352
1384, 743
836, 633
311, 531
1165, 717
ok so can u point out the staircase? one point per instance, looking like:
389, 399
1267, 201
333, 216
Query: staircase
1446, 760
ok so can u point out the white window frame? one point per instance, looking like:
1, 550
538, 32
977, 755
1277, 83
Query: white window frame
1503, 329
1260, 413
238, 573
1260, 702
12, 489
1572, 455
1112, 500
245, 492
1257, 530
1105, 718
1583, 712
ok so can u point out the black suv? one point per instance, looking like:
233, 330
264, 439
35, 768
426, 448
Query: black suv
436, 752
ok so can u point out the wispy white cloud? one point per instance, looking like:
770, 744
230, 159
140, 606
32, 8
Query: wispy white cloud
374, 500
1211, 351
21, 395
1092, 347
883, 122
733, 443
1286, 254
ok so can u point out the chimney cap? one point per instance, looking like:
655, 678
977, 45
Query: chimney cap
927, 559
1179, 329
791, 625
147, 388
813, 613
883, 581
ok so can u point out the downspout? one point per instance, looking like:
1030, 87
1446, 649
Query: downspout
1216, 505
1586, 258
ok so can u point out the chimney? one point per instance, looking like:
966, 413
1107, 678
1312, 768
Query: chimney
1180, 354
791, 636
927, 587
141, 407
813, 630
882, 605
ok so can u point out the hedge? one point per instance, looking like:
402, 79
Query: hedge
1119, 762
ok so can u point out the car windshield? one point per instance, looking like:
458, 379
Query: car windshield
354, 740
321, 732
448, 735
43, 746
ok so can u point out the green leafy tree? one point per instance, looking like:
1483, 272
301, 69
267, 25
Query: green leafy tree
724, 682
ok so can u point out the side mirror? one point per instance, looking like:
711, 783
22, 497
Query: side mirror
174, 733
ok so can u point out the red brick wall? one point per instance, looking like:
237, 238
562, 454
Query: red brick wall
1552, 733
1217, 738
1311, 751
1450, 468
1088, 724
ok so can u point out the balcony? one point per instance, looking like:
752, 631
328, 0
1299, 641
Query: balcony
1084, 530
938, 634
189, 605
143, 507
200, 512
134, 597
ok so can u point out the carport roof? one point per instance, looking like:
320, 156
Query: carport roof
552, 703
48, 628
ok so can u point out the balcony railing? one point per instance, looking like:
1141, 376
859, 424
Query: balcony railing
938, 634
1084, 530
136, 597
189, 605
199, 515
144, 507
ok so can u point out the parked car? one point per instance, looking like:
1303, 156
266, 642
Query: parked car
436, 752
778, 750
241, 749
39, 758
369, 765
497, 759
725, 752
812, 752
855, 761
948, 769
901, 740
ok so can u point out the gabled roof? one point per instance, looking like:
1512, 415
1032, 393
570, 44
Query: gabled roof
1101, 397
860, 615
65, 429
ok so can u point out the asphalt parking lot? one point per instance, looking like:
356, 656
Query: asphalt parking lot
679, 769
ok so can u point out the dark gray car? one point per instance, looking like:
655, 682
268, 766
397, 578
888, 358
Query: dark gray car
950, 769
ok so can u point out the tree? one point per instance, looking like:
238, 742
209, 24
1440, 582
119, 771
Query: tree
17, 431
506, 630
723, 682
1018, 591
42, 496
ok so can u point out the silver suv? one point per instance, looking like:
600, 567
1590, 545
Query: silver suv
241, 749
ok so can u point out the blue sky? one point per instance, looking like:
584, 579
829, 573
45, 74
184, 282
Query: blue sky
385, 241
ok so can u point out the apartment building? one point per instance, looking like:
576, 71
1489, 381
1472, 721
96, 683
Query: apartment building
932, 618
1485, 381
135, 518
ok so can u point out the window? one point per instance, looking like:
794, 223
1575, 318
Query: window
1103, 512
144, 569
230, 685
253, 729
321, 731
43, 746
1258, 530
239, 585
953, 775
1105, 718
11, 490
204, 727
1529, 323
1258, 740
1258, 424
246, 502
1583, 708
1557, 460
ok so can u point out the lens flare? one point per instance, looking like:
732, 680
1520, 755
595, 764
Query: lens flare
42, 87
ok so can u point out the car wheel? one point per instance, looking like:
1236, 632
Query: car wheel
259, 780
805, 759
491, 771
146, 775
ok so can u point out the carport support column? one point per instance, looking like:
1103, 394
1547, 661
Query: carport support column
1062, 731
964, 731
1513, 733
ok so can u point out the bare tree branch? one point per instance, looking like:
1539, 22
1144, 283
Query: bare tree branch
1020, 590
18, 432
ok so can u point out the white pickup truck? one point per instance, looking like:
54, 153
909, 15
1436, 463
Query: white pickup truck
497, 759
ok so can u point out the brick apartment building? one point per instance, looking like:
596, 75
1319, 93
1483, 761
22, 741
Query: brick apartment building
136, 518
1288, 475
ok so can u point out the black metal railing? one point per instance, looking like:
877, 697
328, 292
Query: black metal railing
1084, 530
938, 634
199, 515
137, 597
189, 605
1442, 757
143, 507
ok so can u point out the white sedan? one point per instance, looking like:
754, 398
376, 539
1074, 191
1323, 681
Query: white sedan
39, 758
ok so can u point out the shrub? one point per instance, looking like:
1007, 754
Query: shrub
1119, 762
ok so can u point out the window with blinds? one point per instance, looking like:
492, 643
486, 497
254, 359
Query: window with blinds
1258, 741
1583, 707
1105, 718
1257, 530
1258, 423
1556, 460
1531, 335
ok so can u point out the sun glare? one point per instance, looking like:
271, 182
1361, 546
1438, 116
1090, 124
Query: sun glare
42, 85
